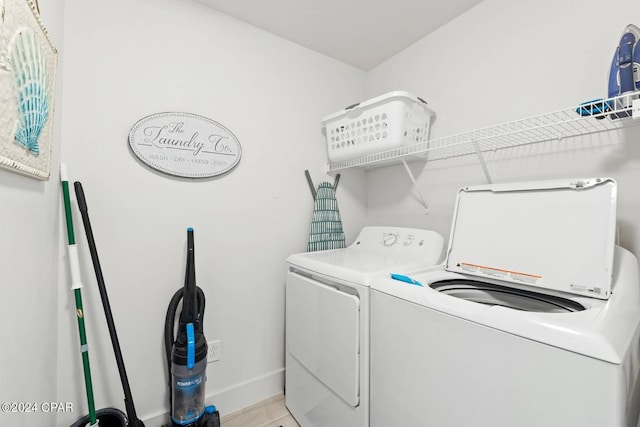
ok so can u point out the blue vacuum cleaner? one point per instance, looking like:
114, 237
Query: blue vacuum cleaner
187, 353
624, 75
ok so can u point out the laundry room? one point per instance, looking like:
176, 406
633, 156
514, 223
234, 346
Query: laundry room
489, 65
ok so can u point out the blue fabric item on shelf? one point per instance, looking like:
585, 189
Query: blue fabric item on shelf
326, 226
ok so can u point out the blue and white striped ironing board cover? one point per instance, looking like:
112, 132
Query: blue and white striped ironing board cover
326, 226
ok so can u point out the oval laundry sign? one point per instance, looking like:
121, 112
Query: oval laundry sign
185, 144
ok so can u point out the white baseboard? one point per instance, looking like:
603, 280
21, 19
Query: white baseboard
235, 397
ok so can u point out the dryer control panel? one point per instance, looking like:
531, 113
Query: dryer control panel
390, 239
400, 241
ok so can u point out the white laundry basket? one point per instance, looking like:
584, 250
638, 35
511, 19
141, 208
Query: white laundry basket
382, 123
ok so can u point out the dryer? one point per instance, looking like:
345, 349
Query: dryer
327, 321
533, 319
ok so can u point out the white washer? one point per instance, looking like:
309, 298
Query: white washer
327, 321
533, 319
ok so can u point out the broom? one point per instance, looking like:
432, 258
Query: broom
76, 285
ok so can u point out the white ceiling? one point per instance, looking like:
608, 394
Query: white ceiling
362, 33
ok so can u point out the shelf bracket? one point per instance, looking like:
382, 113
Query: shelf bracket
482, 163
415, 185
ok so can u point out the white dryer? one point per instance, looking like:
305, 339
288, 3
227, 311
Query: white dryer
327, 321
533, 319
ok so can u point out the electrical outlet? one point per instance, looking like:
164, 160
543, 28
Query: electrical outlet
635, 108
215, 351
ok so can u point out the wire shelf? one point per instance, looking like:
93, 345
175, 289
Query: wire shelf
588, 118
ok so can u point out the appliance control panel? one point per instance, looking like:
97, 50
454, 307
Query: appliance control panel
397, 239
390, 239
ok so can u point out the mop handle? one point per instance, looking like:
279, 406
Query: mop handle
134, 421
76, 285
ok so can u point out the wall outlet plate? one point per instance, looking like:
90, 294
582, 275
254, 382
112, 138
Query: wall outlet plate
214, 353
635, 108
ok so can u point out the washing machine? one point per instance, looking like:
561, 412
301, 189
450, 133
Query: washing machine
531, 321
327, 321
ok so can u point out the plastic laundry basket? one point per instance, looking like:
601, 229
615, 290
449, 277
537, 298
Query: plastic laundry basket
388, 121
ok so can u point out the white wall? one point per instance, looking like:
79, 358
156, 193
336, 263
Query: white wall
29, 261
503, 61
127, 59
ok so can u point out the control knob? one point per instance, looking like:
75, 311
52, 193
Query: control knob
389, 239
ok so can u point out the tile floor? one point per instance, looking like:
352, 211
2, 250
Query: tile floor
268, 413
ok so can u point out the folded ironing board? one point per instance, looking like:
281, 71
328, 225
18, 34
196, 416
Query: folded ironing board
326, 226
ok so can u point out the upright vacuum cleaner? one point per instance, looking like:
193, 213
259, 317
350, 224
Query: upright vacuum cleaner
187, 353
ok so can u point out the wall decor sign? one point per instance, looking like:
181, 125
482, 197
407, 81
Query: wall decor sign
185, 145
27, 83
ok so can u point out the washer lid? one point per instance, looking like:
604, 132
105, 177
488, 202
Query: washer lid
554, 235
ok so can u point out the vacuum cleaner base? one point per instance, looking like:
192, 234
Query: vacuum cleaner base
211, 418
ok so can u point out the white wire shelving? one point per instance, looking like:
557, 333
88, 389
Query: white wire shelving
589, 118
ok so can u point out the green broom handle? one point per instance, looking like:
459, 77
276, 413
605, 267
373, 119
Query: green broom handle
76, 285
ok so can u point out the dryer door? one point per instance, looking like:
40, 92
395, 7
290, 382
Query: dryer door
323, 333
